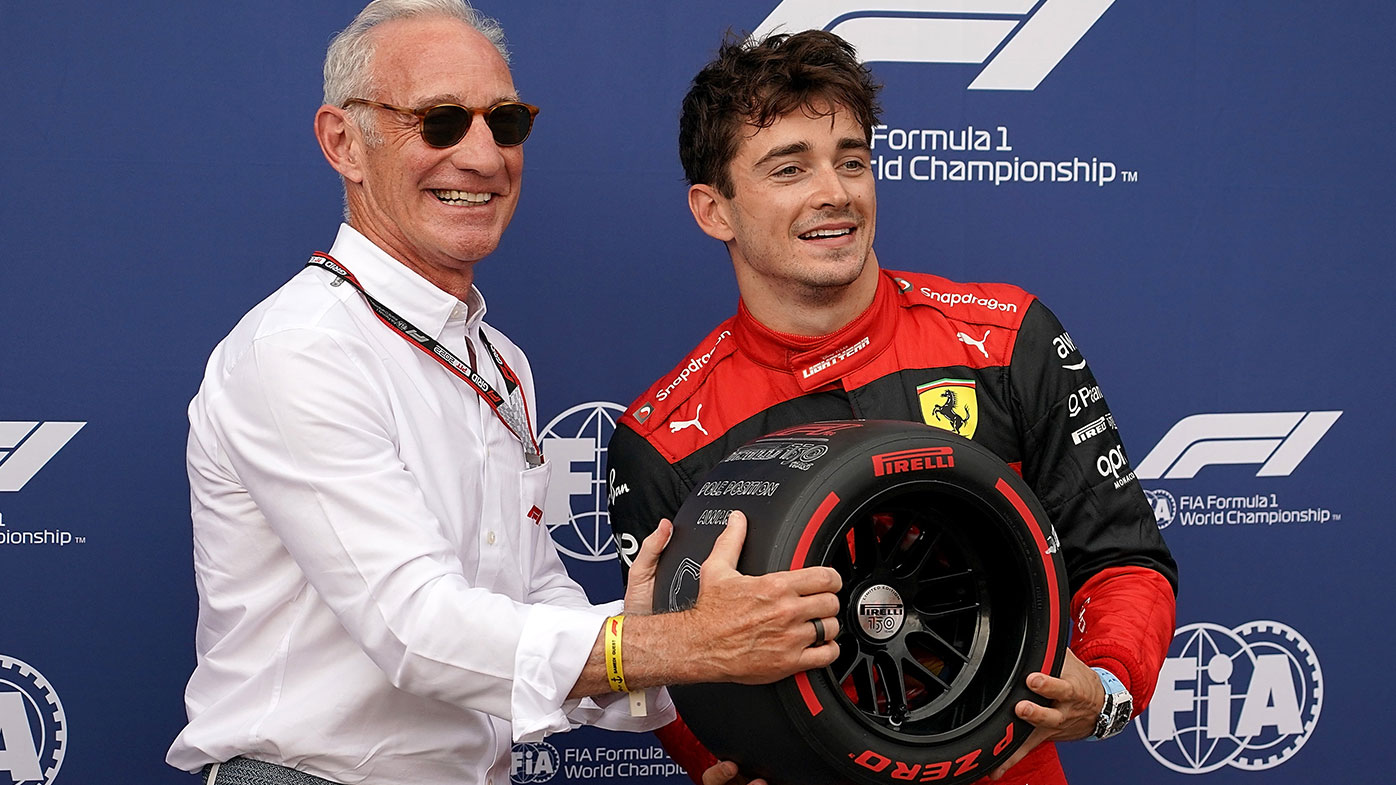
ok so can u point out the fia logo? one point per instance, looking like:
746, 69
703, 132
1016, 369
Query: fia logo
575, 511
32, 725
533, 762
1247, 697
26, 447
1276, 440
1165, 507
1021, 40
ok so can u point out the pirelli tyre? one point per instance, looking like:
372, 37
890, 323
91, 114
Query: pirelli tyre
953, 592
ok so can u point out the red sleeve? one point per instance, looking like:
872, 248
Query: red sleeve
1124, 618
686, 750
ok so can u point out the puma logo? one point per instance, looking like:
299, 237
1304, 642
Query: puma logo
979, 344
679, 425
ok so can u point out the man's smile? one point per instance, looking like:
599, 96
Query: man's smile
453, 197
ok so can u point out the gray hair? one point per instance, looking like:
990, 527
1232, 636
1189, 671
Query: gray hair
349, 60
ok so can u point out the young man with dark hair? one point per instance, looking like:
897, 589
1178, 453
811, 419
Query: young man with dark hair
775, 142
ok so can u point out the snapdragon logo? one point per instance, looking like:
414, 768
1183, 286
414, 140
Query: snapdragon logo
1247, 697
578, 490
695, 364
1019, 41
26, 447
1277, 441
32, 725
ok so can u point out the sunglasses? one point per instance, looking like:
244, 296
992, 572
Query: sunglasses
445, 124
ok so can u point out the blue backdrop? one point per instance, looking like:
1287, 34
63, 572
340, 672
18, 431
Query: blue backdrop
1201, 191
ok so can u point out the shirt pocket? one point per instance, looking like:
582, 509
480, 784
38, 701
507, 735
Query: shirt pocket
533, 493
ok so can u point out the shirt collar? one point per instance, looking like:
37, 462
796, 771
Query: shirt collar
397, 286
824, 359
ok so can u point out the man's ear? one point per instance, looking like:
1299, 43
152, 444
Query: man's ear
709, 209
340, 141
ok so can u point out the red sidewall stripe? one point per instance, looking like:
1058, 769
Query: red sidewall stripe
801, 553
1053, 607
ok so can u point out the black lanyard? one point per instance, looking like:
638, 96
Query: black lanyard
512, 412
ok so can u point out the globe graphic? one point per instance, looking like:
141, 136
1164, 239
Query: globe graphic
1223, 662
1195, 747
534, 762
586, 533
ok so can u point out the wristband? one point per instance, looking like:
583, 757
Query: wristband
615, 674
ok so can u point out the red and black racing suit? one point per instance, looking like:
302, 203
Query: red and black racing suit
1016, 385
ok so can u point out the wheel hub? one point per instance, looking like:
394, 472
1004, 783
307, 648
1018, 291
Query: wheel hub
880, 612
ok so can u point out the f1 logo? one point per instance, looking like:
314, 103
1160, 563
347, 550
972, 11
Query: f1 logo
1276, 440
25, 447
951, 31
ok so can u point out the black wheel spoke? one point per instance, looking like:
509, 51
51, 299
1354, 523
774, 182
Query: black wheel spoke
862, 676
923, 674
926, 549
944, 610
893, 554
944, 645
894, 686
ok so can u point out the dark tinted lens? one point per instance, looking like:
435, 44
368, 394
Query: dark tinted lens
510, 124
445, 125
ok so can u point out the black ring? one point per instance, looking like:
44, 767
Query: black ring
818, 631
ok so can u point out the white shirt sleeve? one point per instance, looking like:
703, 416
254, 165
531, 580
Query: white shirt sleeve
309, 425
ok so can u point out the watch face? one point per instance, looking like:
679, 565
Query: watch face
1114, 716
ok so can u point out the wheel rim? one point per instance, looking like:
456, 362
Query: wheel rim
944, 657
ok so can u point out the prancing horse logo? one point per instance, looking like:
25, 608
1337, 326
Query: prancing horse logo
951, 405
946, 410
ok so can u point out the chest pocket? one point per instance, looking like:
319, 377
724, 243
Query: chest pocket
533, 492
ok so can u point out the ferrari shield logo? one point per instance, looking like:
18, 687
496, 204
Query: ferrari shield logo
950, 404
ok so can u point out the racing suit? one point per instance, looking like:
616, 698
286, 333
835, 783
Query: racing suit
986, 361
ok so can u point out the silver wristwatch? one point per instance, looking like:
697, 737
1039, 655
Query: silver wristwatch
1119, 705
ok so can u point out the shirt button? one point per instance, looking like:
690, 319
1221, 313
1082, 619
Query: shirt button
489, 538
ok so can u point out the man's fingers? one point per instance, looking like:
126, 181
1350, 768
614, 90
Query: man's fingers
1048, 687
813, 580
824, 630
819, 656
720, 773
647, 560
728, 546
1040, 716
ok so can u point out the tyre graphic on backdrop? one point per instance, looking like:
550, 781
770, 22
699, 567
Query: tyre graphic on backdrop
574, 442
1247, 697
953, 592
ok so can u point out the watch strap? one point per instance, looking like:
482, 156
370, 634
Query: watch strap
1119, 706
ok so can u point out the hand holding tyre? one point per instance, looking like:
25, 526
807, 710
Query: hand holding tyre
757, 628
1077, 698
639, 591
744, 629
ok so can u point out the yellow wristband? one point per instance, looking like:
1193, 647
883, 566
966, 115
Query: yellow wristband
615, 674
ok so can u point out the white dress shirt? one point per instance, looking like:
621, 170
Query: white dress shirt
375, 603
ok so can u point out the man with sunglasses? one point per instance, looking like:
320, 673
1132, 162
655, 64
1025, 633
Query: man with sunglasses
775, 139
378, 602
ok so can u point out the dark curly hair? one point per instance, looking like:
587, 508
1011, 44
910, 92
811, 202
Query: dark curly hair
758, 83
